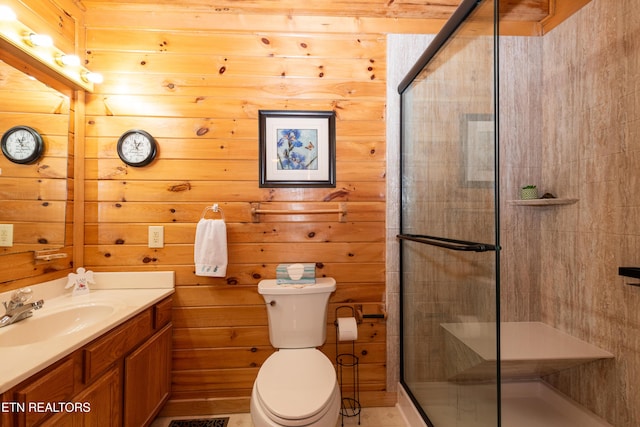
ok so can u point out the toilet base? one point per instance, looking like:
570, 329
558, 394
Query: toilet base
261, 419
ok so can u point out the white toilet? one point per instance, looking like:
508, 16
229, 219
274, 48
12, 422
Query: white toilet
296, 385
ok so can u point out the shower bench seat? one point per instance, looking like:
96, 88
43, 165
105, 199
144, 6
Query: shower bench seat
527, 350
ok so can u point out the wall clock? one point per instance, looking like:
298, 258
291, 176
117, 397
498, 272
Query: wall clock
137, 148
22, 145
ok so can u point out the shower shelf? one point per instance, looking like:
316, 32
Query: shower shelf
543, 202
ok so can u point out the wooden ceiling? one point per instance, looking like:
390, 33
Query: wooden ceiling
422, 9
526, 17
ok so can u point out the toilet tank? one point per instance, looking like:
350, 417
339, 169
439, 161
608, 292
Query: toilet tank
297, 313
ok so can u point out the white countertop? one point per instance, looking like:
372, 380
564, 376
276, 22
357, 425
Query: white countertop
128, 293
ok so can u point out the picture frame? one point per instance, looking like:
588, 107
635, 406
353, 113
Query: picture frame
478, 150
297, 148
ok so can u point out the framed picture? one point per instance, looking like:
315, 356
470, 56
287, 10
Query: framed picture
478, 150
297, 148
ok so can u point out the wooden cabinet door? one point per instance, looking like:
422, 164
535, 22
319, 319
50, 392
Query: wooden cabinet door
99, 405
147, 379
55, 385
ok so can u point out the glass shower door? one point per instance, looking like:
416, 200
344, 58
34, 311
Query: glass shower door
448, 240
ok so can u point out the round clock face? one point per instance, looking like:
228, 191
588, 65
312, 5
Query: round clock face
22, 144
137, 148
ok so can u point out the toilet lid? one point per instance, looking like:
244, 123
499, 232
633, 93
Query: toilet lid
296, 383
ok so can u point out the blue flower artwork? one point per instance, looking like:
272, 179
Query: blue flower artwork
297, 149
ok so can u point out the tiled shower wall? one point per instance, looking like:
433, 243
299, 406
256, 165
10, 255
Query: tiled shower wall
520, 164
402, 52
570, 111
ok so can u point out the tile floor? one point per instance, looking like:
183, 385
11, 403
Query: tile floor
369, 417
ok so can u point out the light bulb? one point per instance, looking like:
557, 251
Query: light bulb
68, 60
88, 76
41, 40
6, 14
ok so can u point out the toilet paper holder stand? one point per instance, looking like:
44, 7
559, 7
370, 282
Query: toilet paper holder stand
347, 363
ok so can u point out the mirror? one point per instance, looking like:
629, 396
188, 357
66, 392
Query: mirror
33, 196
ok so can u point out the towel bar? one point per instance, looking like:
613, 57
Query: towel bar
48, 255
341, 210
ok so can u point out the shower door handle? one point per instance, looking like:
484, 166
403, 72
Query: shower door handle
453, 244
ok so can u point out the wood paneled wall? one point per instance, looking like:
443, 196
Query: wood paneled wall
198, 92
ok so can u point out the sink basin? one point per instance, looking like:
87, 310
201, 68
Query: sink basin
44, 325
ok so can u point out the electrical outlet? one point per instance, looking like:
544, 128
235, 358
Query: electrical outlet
6, 235
156, 236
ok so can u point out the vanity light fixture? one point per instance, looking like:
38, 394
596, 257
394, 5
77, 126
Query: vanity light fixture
38, 52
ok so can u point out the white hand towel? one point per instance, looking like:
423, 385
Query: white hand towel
210, 249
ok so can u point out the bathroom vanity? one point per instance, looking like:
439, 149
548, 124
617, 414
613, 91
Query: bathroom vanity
111, 368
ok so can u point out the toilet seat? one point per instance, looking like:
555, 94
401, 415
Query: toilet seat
296, 386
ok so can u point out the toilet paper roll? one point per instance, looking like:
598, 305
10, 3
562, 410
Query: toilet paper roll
347, 329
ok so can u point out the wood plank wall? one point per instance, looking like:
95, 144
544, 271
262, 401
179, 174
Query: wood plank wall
198, 89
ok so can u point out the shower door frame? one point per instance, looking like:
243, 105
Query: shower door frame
465, 9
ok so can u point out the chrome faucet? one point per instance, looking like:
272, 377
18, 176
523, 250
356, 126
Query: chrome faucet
18, 308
